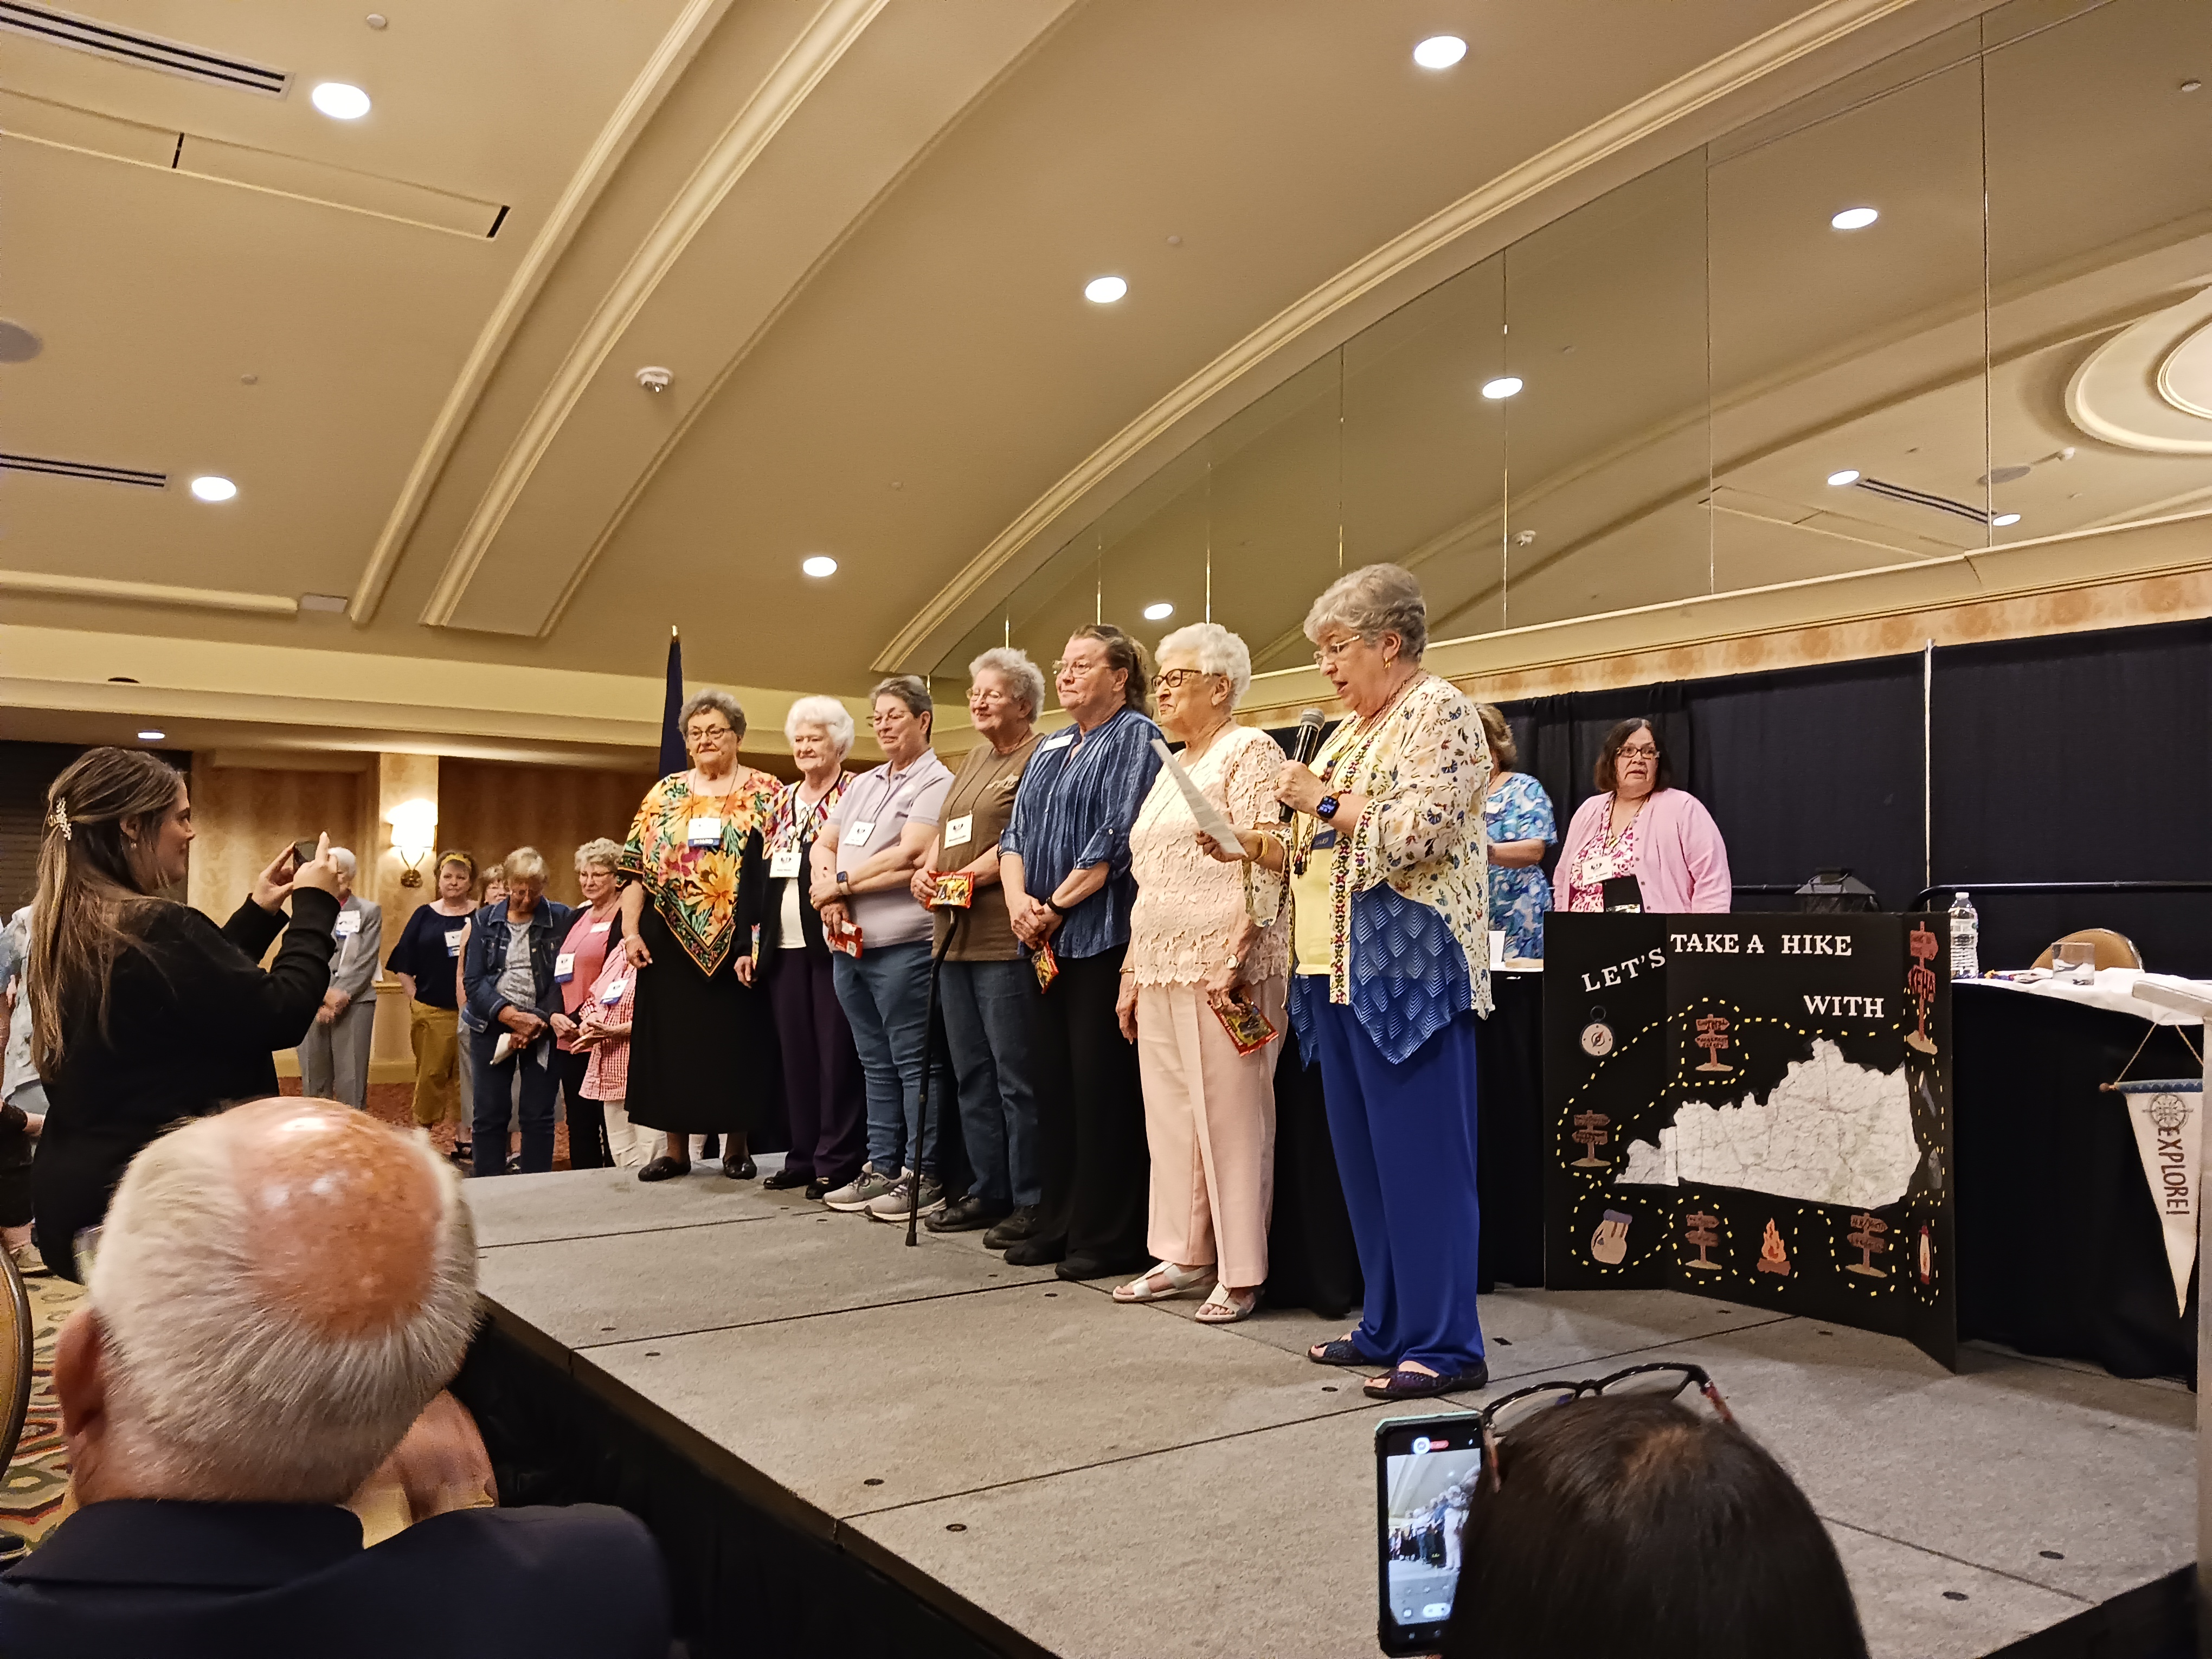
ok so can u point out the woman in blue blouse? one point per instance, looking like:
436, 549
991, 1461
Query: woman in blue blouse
1517, 820
1064, 859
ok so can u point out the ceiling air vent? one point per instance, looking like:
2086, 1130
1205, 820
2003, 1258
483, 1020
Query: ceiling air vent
1897, 492
64, 28
90, 472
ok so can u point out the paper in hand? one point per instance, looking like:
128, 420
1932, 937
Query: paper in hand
1211, 818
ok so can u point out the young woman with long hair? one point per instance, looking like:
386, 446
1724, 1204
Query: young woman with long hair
143, 1010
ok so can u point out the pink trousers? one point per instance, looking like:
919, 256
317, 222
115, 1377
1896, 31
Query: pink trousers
1210, 1118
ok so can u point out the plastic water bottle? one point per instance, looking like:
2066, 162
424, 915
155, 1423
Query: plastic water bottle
1965, 938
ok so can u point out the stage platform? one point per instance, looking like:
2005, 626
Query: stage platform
1055, 1472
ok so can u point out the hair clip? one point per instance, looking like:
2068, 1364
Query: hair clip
58, 819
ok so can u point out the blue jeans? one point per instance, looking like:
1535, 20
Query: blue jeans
883, 992
988, 1007
494, 1100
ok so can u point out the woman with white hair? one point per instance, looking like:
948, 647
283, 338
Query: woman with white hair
983, 990
1392, 940
703, 1045
822, 1090
1202, 989
507, 976
595, 932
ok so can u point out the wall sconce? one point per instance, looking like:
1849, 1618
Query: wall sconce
414, 834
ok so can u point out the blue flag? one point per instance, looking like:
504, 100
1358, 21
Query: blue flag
672, 756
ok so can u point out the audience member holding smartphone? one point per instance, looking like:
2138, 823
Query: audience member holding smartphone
143, 1010
1635, 1525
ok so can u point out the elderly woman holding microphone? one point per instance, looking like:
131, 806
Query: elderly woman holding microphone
1203, 988
1391, 937
702, 1056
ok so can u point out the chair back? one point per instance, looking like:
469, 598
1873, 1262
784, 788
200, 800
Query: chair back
2113, 950
16, 1378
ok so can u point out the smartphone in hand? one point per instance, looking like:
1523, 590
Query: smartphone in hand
303, 850
1426, 1472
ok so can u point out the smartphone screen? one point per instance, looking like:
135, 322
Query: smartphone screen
1425, 1471
303, 850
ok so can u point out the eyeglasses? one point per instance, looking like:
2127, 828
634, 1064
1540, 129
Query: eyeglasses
705, 734
1330, 651
1171, 680
1063, 668
1510, 1411
1638, 752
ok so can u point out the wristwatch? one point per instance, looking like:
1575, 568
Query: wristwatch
1057, 908
844, 882
1326, 807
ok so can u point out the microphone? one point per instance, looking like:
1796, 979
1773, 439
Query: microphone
1308, 739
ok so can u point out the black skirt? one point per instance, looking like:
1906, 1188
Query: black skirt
702, 1051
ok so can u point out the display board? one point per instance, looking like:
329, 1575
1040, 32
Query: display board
1755, 1107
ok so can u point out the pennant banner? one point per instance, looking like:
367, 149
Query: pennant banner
2164, 1115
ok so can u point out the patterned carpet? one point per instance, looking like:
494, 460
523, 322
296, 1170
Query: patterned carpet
31, 1497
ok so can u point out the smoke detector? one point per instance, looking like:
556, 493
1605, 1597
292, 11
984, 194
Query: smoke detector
654, 379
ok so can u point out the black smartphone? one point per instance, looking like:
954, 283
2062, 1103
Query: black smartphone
1425, 1471
303, 850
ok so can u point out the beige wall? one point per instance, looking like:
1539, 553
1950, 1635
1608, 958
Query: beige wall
243, 816
489, 808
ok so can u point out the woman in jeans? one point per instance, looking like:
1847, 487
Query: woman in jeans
862, 863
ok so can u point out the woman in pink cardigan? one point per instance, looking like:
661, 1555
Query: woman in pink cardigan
1641, 825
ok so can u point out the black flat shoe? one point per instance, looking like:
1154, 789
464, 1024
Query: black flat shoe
788, 1180
1021, 1225
664, 1168
816, 1191
1079, 1265
966, 1216
1405, 1384
1036, 1252
743, 1169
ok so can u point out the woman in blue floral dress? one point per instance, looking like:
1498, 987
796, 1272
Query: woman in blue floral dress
1517, 818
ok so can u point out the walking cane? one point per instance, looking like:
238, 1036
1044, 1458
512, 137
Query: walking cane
928, 1056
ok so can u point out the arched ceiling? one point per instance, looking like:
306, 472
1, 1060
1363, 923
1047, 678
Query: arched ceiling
854, 231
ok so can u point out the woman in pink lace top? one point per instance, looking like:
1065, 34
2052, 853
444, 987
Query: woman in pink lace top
1199, 951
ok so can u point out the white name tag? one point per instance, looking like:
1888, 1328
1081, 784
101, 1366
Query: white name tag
783, 863
857, 834
454, 938
613, 994
1493, 804
349, 924
958, 831
705, 832
1060, 742
602, 926
564, 967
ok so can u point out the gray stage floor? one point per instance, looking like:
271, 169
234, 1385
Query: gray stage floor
1119, 1480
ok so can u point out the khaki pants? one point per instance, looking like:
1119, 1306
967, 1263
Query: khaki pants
435, 1035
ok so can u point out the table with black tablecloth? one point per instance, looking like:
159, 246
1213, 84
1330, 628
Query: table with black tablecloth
2060, 1251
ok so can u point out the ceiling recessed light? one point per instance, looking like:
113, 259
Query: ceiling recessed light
1850, 475
1104, 290
1503, 386
1440, 51
17, 344
820, 565
339, 101
2004, 519
151, 736
1857, 218
1159, 612
209, 487
2191, 85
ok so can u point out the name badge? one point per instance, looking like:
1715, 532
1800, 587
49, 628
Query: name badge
960, 830
1493, 804
564, 967
1060, 742
602, 926
349, 924
1324, 839
705, 832
856, 835
613, 993
783, 863
454, 938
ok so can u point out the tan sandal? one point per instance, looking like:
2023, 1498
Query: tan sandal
1223, 1307
1177, 1282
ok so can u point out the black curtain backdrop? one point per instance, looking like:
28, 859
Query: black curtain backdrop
2071, 757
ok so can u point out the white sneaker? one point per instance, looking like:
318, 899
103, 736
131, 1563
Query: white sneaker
893, 1205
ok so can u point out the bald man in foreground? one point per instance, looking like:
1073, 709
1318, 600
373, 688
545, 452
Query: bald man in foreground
280, 1294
